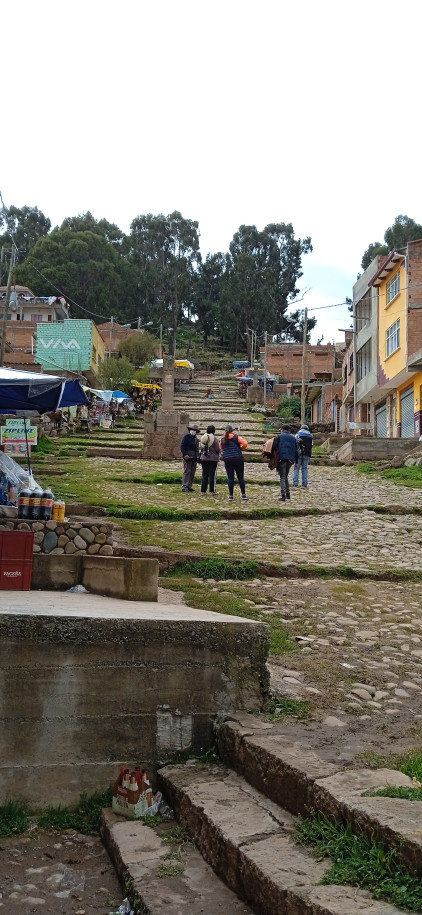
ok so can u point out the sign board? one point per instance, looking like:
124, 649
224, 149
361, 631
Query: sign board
16, 448
360, 426
14, 431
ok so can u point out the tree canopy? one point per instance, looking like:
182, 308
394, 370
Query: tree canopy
156, 274
139, 348
25, 225
404, 229
116, 374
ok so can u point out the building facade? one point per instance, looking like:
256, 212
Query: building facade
388, 344
71, 346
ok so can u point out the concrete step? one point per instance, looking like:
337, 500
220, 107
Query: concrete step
248, 840
291, 773
140, 855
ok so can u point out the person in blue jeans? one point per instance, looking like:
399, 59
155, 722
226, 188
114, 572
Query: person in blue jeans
304, 439
286, 446
232, 447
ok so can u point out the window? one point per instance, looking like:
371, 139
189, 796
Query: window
363, 361
351, 364
393, 338
363, 312
393, 288
37, 318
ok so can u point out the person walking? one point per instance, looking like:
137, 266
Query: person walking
232, 448
287, 455
190, 453
304, 439
209, 457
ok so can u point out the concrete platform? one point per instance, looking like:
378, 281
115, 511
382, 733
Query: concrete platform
88, 683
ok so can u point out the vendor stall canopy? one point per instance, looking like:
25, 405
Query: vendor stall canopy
35, 392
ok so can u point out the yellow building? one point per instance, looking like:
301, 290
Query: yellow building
398, 409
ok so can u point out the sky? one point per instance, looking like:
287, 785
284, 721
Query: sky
231, 111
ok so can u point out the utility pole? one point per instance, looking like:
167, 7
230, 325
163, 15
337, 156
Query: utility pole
161, 341
265, 369
304, 343
109, 342
6, 307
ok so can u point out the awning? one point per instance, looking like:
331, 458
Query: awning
29, 391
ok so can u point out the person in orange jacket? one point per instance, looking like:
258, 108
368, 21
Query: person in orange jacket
232, 448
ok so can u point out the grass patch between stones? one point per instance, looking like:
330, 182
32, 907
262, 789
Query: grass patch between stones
14, 818
409, 763
84, 819
218, 569
361, 862
277, 708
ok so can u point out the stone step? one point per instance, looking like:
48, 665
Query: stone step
291, 773
140, 855
248, 840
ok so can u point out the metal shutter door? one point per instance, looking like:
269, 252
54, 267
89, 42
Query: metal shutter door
381, 420
407, 422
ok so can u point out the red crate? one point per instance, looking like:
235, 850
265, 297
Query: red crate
16, 551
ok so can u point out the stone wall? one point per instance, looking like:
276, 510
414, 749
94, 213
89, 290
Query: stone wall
373, 449
66, 537
163, 432
80, 695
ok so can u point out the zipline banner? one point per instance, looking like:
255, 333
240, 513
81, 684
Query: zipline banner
14, 431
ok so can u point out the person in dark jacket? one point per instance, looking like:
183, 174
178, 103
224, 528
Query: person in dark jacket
304, 440
287, 455
232, 446
190, 453
209, 458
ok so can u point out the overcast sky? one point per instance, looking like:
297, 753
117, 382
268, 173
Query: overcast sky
230, 111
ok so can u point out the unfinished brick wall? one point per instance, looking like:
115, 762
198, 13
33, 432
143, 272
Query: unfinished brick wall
414, 332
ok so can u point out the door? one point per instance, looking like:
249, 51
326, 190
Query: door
381, 421
407, 421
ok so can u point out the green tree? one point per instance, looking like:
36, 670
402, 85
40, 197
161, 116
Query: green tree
263, 269
404, 229
139, 348
207, 301
85, 222
116, 374
26, 225
289, 406
84, 266
165, 251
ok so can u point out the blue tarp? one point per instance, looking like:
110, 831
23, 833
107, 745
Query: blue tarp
119, 395
73, 395
24, 392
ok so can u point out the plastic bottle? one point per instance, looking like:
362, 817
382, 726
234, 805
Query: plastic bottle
46, 510
35, 505
23, 504
62, 509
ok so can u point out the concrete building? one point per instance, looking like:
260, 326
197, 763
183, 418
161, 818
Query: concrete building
398, 392
113, 335
71, 346
25, 306
285, 361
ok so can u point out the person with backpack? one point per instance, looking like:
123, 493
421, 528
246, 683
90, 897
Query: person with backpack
304, 440
232, 448
190, 452
285, 449
209, 456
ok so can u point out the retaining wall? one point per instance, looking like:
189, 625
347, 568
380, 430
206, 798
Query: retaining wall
374, 449
66, 537
81, 694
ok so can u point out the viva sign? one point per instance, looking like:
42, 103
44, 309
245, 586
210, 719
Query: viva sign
65, 345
